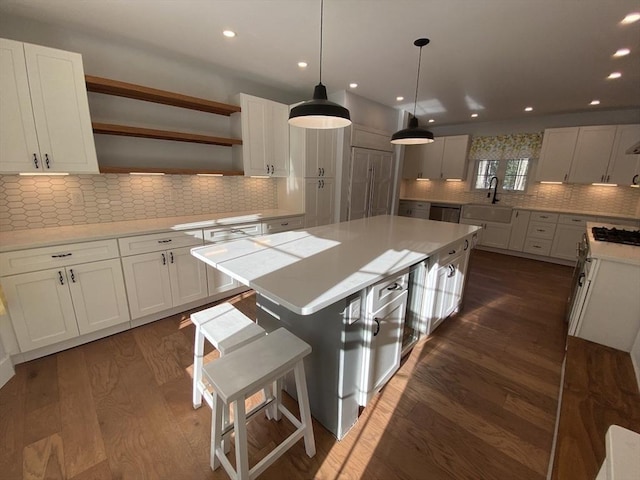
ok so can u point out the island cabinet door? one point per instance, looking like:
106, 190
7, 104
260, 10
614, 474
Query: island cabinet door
382, 346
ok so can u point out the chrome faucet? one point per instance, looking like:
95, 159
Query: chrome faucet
495, 189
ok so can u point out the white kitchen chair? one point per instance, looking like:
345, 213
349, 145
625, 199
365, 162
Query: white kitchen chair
224, 327
240, 374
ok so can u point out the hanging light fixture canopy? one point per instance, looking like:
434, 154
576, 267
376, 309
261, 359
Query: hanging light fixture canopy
319, 112
414, 134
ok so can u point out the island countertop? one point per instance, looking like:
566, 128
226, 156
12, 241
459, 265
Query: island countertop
307, 270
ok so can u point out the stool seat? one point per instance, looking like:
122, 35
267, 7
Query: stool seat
241, 373
226, 328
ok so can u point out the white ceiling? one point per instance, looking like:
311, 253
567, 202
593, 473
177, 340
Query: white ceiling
492, 57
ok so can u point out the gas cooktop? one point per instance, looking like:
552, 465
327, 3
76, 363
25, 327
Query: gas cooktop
616, 235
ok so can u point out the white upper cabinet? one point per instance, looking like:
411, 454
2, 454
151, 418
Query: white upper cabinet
44, 111
445, 158
264, 129
592, 153
623, 167
558, 145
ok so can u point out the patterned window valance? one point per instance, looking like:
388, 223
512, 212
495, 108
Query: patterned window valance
520, 145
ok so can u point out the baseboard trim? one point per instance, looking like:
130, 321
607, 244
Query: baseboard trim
6, 370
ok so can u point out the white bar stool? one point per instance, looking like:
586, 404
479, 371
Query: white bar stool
239, 375
224, 327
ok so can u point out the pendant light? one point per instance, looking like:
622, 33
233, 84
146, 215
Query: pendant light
414, 134
319, 112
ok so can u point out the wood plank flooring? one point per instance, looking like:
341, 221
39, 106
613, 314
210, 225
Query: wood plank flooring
600, 389
476, 400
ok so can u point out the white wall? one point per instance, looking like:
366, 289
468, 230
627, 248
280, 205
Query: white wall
635, 356
535, 124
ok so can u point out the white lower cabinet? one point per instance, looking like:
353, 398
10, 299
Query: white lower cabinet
519, 227
493, 234
53, 305
386, 305
159, 277
161, 280
437, 286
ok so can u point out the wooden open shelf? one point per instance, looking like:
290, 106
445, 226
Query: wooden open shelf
138, 92
170, 171
126, 131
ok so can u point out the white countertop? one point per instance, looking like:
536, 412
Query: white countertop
40, 237
532, 209
614, 252
307, 270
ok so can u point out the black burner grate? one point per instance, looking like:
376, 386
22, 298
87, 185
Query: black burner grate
616, 235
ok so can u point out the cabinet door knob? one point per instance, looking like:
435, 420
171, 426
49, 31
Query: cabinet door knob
46, 160
35, 160
452, 270
466, 245
323, 171
608, 177
73, 276
164, 259
272, 169
634, 181
565, 177
377, 331
60, 278
171, 256
319, 171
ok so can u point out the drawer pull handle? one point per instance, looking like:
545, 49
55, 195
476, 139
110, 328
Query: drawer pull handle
61, 255
575, 220
452, 271
284, 224
171, 256
168, 240
73, 276
544, 216
60, 277
452, 252
466, 245
537, 246
35, 160
395, 286
46, 160
539, 230
377, 327
164, 259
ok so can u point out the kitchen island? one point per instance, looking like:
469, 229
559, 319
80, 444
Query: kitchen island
344, 289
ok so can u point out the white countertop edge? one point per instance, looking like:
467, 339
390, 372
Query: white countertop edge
530, 209
51, 236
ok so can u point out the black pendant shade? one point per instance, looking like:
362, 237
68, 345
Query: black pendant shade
319, 112
414, 134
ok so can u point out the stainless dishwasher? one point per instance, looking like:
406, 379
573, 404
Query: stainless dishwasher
445, 212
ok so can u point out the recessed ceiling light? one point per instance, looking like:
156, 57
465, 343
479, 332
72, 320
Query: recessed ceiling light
353, 85
614, 75
302, 64
474, 115
229, 33
632, 17
622, 52
399, 99
528, 109
431, 120
595, 102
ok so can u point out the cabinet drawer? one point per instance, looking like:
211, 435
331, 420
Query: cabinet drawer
537, 246
282, 225
34, 259
447, 254
541, 230
544, 217
159, 241
577, 220
388, 289
232, 232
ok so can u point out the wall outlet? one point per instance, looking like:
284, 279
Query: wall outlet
77, 198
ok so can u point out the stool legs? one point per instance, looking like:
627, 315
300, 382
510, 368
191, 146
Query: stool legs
305, 411
216, 430
198, 357
240, 429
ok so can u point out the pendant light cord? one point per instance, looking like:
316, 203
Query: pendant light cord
415, 101
321, 18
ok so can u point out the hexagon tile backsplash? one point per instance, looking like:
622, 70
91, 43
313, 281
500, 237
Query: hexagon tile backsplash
49, 201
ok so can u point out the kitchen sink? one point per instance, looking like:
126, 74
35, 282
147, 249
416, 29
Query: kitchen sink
488, 213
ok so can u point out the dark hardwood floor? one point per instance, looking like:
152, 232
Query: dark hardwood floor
476, 400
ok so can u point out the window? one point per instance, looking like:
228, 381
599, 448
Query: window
511, 173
